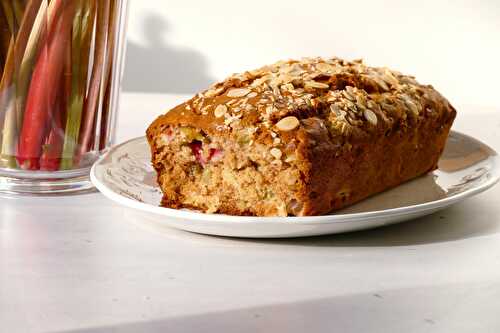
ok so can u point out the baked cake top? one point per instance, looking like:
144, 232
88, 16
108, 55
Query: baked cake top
350, 98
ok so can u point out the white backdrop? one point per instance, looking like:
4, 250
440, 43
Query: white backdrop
182, 46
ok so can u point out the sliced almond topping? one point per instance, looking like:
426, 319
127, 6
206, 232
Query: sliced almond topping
380, 83
238, 92
276, 153
324, 68
220, 111
270, 109
288, 87
337, 111
389, 78
412, 106
288, 123
348, 95
319, 85
371, 117
361, 101
295, 70
213, 92
252, 94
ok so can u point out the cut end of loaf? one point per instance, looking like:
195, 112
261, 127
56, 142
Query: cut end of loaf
221, 175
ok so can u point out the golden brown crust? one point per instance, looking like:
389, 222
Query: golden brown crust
354, 130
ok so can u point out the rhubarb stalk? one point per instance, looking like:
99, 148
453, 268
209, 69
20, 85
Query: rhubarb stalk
107, 84
92, 100
5, 101
42, 91
83, 27
53, 143
18, 8
4, 38
12, 72
35, 23
9, 15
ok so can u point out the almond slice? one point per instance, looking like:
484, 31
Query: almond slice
371, 117
288, 123
220, 111
314, 84
238, 92
324, 67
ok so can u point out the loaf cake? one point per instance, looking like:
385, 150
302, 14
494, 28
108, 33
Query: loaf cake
298, 138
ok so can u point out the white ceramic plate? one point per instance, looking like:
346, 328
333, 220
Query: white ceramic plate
466, 168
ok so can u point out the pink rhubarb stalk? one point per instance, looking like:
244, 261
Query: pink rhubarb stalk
53, 143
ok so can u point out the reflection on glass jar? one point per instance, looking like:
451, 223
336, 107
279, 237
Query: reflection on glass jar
61, 63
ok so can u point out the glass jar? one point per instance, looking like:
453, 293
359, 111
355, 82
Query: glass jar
61, 63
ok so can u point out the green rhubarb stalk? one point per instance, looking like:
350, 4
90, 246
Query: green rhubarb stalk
5, 41
88, 27
9, 15
4, 38
6, 31
5, 105
9, 133
9, 136
18, 9
83, 27
66, 87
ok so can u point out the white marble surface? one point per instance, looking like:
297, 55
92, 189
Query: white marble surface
84, 264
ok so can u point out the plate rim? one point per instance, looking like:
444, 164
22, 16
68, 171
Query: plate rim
309, 220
